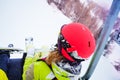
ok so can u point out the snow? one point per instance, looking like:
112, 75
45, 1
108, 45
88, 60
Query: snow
114, 55
25, 18
105, 71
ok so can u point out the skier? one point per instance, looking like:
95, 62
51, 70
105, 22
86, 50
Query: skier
75, 44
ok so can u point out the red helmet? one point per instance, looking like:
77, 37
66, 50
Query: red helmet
76, 40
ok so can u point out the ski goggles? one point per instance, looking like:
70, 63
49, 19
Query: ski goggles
67, 50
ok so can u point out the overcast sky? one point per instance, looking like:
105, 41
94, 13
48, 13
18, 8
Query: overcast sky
29, 18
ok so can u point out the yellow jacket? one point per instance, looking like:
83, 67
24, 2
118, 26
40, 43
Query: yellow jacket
3, 76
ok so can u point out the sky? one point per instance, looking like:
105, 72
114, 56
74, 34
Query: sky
29, 18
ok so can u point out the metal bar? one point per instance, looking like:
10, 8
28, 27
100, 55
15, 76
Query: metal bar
107, 27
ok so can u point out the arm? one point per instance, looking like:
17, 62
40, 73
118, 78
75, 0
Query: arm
30, 73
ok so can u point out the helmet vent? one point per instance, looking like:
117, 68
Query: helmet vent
89, 44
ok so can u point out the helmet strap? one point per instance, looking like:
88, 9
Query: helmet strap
62, 46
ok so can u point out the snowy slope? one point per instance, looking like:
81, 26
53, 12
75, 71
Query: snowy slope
103, 71
29, 18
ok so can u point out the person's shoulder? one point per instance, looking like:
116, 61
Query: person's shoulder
40, 62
